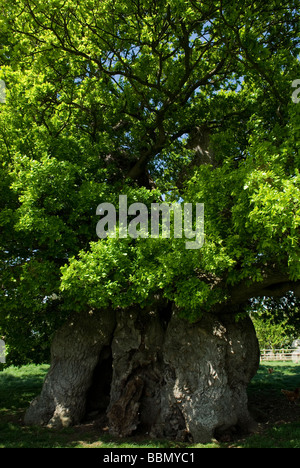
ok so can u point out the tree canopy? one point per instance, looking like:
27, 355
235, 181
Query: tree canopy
178, 100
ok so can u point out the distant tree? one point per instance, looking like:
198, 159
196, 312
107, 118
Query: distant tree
276, 321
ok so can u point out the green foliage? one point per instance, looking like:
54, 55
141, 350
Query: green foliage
272, 335
277, 322
103, 98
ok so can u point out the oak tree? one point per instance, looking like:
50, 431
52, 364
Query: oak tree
177, 100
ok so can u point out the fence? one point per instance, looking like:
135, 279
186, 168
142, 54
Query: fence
280, 354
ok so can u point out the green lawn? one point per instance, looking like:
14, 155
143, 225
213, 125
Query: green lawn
279, 422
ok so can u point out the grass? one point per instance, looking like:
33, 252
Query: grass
279, 422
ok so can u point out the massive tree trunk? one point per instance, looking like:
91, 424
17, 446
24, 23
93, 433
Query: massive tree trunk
76, 350
151, 371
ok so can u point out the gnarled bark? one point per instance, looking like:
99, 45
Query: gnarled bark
75, 353
164, 376
195, 376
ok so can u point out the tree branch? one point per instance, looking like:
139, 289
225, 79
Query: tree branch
274, 285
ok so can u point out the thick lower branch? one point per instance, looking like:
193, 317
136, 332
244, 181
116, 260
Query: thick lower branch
274, 286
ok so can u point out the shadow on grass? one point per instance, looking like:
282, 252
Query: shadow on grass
283, 375
18, 386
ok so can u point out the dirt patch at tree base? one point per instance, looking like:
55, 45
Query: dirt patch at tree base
268, 410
